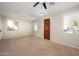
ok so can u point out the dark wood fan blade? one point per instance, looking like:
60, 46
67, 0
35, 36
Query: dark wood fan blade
35, 4
44, 4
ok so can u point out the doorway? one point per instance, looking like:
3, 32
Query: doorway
47, 29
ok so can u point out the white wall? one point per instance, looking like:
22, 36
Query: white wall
58, 35
0, 28
40, 30
25, 28
56, 30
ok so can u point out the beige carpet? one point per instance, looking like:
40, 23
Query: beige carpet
34, 46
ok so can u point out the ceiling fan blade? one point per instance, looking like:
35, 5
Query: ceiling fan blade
44, 4
35, 4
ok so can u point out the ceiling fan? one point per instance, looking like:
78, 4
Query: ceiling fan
44, 4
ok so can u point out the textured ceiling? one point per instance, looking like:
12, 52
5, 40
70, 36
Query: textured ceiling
26, 9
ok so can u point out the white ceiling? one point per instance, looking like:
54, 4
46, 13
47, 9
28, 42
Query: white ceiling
26, 9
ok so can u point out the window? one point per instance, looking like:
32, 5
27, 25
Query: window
71, 23
35, 26
12, 25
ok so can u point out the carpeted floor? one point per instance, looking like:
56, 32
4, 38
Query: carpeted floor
34, 46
